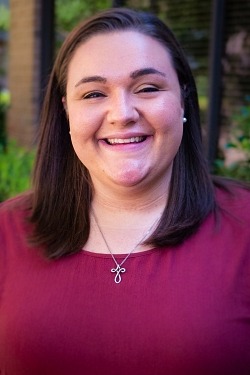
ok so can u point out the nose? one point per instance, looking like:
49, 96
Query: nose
122, 109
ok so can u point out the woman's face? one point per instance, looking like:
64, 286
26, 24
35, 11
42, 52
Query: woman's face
125, 110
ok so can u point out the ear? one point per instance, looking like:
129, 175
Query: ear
183, 106
64, 102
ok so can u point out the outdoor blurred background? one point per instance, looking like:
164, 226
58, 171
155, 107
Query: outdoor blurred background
215, 35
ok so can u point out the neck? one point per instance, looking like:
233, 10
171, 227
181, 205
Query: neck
130, 200
124, 219
128, 213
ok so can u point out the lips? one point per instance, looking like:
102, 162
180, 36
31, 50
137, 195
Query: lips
119, 141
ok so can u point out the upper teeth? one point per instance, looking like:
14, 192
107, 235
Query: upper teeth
122, 140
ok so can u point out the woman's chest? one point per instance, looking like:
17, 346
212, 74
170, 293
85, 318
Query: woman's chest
170, 314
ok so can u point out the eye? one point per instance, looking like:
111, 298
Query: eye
147, 89
93, 95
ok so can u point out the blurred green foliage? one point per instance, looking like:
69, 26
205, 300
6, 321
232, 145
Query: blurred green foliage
241, 141
4, 18
15, 170
15, 162
69, 13
4, 104
237, 171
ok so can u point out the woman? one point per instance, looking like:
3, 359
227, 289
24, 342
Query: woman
126, 258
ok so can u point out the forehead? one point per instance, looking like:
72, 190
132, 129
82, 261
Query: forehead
119, 51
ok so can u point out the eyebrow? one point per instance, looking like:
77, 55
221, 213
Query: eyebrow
141, 72
91, 79
136, 74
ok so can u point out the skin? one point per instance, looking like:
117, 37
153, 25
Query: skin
121, 89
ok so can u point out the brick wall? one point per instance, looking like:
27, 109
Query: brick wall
23, 73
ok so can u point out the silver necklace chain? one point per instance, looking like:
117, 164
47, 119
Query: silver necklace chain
119, 269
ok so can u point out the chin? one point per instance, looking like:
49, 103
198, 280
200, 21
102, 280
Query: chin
129, 179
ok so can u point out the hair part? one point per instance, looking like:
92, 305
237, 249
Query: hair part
62, 189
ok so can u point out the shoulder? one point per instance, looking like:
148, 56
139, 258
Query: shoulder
14, 213
232, 216
234, 199
226, 230
18, 204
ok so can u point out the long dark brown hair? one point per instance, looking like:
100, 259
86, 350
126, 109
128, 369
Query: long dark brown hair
62, 189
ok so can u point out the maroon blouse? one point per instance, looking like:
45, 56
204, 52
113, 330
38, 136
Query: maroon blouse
178, 311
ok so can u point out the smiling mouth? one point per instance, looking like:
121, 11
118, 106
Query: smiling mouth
119, 141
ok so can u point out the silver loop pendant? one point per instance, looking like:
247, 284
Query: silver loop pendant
118, 271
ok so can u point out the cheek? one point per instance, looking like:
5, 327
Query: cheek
81, 150
82, 124
169, 117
